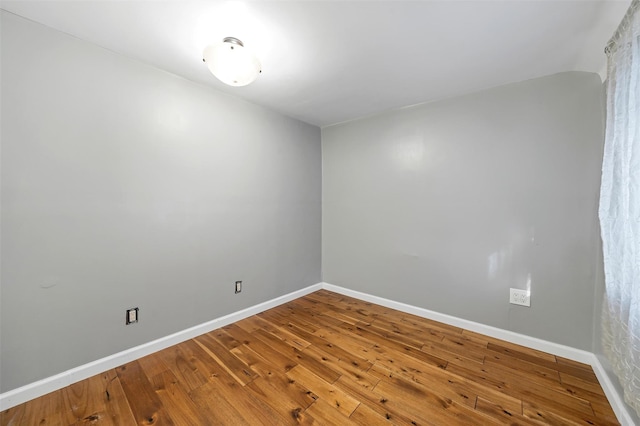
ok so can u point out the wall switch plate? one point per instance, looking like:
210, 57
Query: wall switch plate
519, 297
132, 316
238, 286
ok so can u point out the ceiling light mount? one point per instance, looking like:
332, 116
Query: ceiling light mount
232, 41
231, 62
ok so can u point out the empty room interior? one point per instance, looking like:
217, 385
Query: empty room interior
319, 212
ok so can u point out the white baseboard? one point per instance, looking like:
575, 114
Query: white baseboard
42, 387
620, 408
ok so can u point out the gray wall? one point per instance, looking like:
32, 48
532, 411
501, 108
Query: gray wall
123, 186
599, 262
447, 205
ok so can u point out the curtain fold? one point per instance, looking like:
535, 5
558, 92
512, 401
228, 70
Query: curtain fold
619, 210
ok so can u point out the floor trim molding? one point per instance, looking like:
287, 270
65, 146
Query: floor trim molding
620, 408
42, 387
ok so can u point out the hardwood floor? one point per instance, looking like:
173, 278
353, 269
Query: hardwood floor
328, 359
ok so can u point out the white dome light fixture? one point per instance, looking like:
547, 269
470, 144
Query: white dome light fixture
231, 62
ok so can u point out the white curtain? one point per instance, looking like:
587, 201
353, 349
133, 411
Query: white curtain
620, 207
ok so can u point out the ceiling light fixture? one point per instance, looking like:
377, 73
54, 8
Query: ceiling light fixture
231, 62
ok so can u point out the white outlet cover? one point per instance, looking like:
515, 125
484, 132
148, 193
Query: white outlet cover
519, 297
132, 316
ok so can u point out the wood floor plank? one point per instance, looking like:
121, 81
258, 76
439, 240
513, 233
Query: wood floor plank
311, 322
469, 347
46, 410
283, 386
283, 339
407, 339
14, 416
513, 384
256, 362
416, 321
441, 410
256, 410
318, 367
325, 390
152, 365
97, 400
603, 411
454, 386
276, 316
225, 339
334, 349
580, 372
450, 354
442, 388
176, 400
525, 367
325, 359
252, 323
275, 358
189, 363
323, 413
575, 364
418, 333
294, 340
219, 409
386, 406
292, 399
502, 414
84, 400
223, 386
532, 383
594, 398
145, 404
516, 348
285, 316
332, 300
384, 347
553, 416
117, 403
352, 316
575, 382
347, 341
364, 415
234, 366
345, 368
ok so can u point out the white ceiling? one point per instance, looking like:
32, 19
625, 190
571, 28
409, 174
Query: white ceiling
326, 62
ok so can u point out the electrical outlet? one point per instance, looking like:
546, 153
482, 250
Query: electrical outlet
132, 316
519, 297
238, 286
